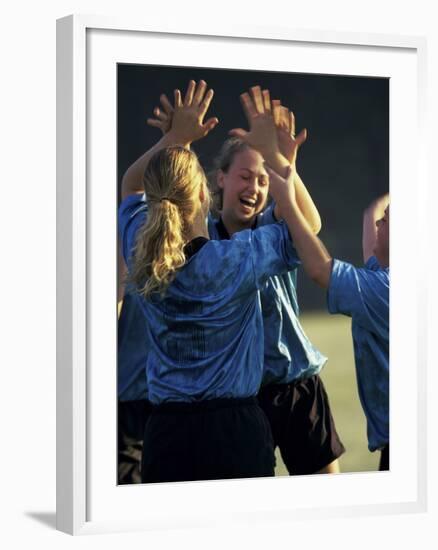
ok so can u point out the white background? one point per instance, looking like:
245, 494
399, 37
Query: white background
27, 124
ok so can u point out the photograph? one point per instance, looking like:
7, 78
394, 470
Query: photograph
253, 273
204, 360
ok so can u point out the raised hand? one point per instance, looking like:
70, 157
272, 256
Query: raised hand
181, 124
185, 120
187, 124
262, 134
285, 123
281, 188
163, 116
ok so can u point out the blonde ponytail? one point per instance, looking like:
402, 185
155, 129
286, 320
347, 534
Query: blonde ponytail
172, 183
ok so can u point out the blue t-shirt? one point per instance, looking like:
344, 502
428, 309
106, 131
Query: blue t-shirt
363, 294
288, 354
132, 349
204, 335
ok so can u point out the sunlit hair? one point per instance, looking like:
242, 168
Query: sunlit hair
223, 161
172, 182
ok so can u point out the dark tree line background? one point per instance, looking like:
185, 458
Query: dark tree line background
344, 163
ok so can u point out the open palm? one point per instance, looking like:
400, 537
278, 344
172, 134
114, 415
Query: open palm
185, 119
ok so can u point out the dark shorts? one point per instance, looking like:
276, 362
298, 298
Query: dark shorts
384, 459
302, 424
217, 439
132, 416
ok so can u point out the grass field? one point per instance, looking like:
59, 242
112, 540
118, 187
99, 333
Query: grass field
331, 334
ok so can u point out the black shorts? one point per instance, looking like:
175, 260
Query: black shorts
384, 459
214, 439
132, 416
302, 424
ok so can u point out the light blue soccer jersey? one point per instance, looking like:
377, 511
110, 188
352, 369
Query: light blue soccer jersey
363, 294
132, 350
205, 335
288, 353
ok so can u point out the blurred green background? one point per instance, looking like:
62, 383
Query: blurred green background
331, 334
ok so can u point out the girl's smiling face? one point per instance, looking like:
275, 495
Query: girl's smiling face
245, 187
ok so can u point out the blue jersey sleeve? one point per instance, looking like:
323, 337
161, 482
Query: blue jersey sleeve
361, 293
132, 215
272, 252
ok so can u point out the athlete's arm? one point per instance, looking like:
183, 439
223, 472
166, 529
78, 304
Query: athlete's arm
305, 204
272, 133
285, 123
315, 258
262, 137
187, 126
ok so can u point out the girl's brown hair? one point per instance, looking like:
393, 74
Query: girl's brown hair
223, 161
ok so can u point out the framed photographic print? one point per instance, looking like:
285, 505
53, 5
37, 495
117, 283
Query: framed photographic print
361, 99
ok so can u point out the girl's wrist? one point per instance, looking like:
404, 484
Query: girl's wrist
172, 138
285, 197
278, 163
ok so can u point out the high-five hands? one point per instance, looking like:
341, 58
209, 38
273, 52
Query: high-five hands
285, 123
282, 188
272, 126
163, 116
185, 119
262, 134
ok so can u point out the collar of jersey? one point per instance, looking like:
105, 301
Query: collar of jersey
194, 246
222, 230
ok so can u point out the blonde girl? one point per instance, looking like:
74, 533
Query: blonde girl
200, 299
292, 393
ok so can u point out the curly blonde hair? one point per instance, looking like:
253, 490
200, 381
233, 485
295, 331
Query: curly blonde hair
172, 181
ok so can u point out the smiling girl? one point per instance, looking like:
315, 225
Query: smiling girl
292, 394
201, 306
